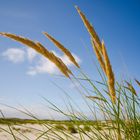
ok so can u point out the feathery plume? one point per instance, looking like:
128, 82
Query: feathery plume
56, 60
109, 74
96, 98
90, 29
42, 50
98, 55
21, 39
62, 48
137, 82
100, 50
131, 88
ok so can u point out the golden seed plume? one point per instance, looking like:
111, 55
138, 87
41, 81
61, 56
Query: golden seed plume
21, 39
98, 55
96, 98
100, 51
42, 50
131, 88
109, 74
56, 60
137, 82
62, 48
90, 29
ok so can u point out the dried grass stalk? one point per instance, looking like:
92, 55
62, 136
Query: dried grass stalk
137, 82
109, 74
96, 98
98, 55
62, 48
100, 51
21, 39
42, 50
56, 60
90, 29
131, 88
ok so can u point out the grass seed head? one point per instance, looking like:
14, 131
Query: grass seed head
63, 49
96, 98
98, 54
40, 49
90, 28
131, 88
21, 39
109, 74
56, 60
137, 82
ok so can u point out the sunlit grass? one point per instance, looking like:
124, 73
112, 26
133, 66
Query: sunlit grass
117, 102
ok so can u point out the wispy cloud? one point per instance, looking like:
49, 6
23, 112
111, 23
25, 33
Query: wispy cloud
14, 55
46, 66
41, 65
31, 54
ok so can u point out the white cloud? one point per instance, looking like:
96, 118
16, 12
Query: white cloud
67, 61
14, 55
40, 65
31, 54
43, 66
46, 66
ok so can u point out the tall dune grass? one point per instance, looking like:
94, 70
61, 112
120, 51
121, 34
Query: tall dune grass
117, 102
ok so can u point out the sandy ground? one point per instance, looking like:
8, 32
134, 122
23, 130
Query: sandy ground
32, 132
35, 131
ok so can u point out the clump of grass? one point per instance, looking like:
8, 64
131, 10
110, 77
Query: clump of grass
102, 56
72, 129
60, 127
16, 128
87, 128
118, 102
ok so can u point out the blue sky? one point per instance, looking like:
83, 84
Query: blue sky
22, 82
